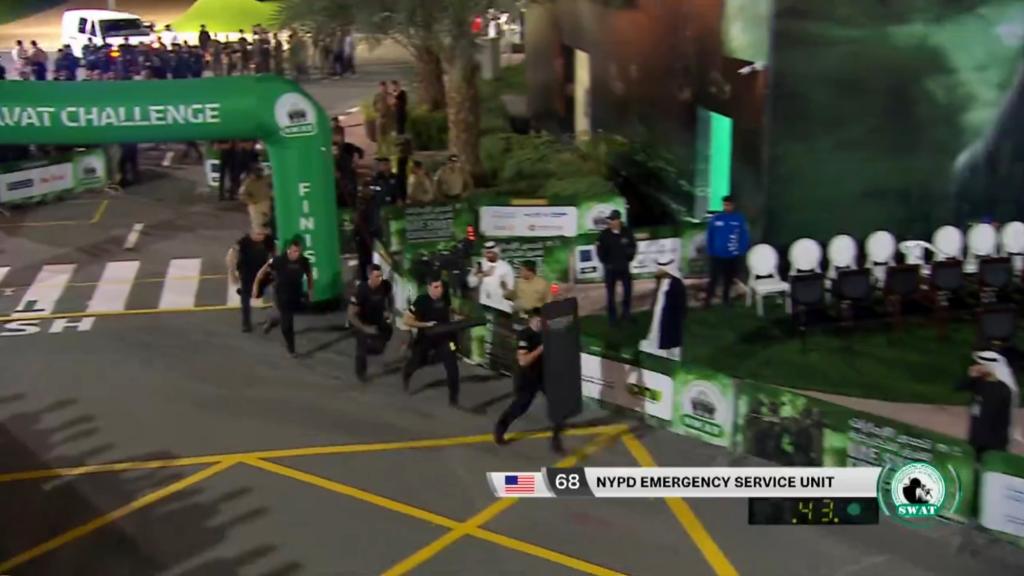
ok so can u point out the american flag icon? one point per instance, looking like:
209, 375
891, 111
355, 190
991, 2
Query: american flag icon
520, 484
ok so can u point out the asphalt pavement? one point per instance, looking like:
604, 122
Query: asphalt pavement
161, 440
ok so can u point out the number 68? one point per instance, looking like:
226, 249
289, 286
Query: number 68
564, 481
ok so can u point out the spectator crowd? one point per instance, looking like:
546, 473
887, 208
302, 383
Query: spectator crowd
170, 57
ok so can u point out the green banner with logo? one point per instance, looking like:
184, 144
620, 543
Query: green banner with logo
293, 127
792, 429
705, 401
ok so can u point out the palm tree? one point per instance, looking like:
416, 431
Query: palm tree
437, 33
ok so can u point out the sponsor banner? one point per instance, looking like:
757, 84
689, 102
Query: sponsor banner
528, 221
295, 115
90, 170
403, 289
1002, 494
629, 386
25, 184
493, 345
550, 254
588, 267
694, 251
430, 223
796, 430
705, 401
109, 116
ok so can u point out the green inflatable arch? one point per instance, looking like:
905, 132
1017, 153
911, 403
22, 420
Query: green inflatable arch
292, 125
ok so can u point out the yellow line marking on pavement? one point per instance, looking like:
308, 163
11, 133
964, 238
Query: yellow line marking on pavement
539, 552
289, 453
97, 523
489, 513
95, 218
685, 515
99, 212
353, 492
427, 516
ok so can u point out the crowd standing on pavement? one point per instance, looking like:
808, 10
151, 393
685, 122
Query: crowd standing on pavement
170, 57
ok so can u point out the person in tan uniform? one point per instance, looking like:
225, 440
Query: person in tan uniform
257, 194
383, 106
453, 181
531, 291
421, 188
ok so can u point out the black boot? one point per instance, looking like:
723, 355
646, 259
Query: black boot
499, 433
556, 444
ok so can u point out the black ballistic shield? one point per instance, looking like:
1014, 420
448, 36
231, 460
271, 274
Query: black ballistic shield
562, 359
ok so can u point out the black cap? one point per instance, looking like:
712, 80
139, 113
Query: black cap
530, 265
615, 215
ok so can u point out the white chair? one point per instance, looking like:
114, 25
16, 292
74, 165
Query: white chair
880, 248
764, 280
1011, 241
915, 252
804, 256
948, 243
842, 254
982, 242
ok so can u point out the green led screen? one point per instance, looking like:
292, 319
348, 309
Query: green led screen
714, 157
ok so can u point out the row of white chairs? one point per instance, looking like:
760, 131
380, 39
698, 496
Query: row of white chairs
982, 240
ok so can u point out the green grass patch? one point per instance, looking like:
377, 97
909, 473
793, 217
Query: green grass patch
227, 15
914, 364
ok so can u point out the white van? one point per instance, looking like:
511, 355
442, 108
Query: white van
78, 26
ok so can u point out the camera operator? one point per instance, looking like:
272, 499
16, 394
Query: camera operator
369, 311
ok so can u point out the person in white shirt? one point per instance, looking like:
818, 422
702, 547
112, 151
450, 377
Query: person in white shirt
168, 36
20, 56
350, 54
494, 277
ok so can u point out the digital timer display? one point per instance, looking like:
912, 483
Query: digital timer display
812, 511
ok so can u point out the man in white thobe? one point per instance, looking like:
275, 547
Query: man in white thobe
665, 337
494, 277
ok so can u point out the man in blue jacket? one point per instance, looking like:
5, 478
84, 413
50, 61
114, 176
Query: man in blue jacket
728, 240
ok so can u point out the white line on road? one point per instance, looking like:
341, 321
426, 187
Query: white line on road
115, 284
3, 272
181, 283
42, 295
133, 236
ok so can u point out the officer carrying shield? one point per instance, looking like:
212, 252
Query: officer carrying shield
529, 380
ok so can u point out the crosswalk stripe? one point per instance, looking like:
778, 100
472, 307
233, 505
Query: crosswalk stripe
41, 297
115, 284
181, 283
3, 272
